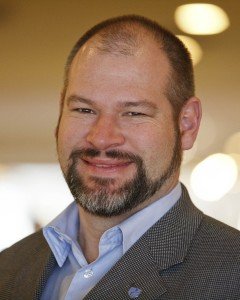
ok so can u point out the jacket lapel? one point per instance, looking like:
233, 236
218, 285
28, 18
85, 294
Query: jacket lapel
170, 238
165, 244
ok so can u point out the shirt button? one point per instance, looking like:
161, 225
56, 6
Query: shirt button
88, 273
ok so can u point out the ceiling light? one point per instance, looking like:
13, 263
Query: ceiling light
193, 47
201, 18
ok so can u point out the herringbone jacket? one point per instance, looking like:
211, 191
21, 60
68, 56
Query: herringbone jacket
185, 255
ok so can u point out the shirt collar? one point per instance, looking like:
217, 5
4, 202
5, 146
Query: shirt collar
62, 232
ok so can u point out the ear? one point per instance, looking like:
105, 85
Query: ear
189, 122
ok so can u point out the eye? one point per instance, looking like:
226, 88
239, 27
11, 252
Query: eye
83, 110
135, 114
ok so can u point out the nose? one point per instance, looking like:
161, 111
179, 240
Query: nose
105, 133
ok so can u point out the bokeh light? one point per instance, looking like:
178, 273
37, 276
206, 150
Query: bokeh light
214, 177
30, 195
201, 18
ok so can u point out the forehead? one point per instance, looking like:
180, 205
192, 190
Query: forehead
147, 69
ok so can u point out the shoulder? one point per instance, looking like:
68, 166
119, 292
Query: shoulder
23, 266
209, 232
217, 235
215, 249
22, 250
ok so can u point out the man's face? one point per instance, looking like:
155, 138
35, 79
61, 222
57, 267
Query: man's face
118, 144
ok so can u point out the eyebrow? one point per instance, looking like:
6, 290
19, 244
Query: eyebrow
141, 103
75, 98
127, 104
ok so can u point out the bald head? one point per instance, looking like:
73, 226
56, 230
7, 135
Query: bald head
127, 35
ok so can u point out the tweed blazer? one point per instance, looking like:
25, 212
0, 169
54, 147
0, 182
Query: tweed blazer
185, 255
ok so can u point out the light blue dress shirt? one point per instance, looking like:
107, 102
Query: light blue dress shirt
73, 277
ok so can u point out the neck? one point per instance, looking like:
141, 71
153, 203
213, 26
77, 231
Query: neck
92, 228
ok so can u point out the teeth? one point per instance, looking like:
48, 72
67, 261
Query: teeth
104, 166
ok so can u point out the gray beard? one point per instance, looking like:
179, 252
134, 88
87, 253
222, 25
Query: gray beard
100, 200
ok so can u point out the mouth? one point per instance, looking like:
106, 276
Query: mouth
105, 165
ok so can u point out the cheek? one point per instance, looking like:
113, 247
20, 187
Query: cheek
155, 146
71, 131
69, 137
151, 137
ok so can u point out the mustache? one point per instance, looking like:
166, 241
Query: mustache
115, 154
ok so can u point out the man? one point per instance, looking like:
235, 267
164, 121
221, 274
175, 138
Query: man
128, 111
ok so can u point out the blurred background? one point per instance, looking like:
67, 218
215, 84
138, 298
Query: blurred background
36, 37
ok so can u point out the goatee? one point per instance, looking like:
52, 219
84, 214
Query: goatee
102, 201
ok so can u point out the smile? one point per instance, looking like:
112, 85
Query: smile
105, 165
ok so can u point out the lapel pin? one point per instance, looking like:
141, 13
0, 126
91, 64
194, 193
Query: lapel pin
134, 292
